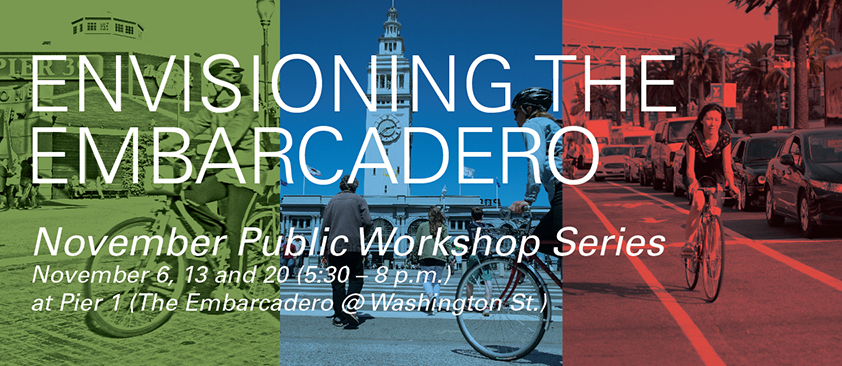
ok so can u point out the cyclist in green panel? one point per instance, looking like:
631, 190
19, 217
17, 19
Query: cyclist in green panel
708, 154
239, 127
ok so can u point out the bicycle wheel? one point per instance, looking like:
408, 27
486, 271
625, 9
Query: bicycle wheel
713, 256
518, 313
263, 266
126, 309
691, 272
691, 265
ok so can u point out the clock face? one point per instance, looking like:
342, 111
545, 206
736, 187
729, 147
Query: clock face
388, 129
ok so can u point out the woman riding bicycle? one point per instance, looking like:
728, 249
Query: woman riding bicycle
708, 154
239, 127
530, 108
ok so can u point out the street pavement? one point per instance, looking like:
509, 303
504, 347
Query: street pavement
263, 338
779, 304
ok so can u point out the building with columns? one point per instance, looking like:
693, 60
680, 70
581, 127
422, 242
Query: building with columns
391, 204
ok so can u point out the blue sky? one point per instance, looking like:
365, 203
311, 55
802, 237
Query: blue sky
433, 30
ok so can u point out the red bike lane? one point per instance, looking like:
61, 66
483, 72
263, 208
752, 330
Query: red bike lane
768, 311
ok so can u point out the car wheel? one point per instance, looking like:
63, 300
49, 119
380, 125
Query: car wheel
626, 177
772, 218
668, 180
642, 179
677, 192
808, 227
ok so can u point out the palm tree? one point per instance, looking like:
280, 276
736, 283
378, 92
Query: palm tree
819, 45
578, 102
703, 65
633, 84
749, 74
605, 98
602, 100
798, 16
665, 95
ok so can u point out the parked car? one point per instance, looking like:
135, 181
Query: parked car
750, 158
669, 134
679, 181
804, 180
611, 160
632, 163
645, 167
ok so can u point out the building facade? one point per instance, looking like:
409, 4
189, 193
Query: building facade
391, 204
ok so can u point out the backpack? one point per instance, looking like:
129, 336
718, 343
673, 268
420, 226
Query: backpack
485, 230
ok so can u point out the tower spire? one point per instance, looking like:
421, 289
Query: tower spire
391, 43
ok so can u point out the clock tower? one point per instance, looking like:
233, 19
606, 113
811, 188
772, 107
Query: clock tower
389, 119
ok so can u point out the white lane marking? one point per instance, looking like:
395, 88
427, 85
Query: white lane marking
690, 330
757, 245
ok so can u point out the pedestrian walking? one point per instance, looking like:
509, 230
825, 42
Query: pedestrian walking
98, 183
431, 258
344, 215
288, 259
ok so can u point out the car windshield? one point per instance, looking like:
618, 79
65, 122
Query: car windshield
679, 130
638, 151
615, 150
763, 149
826, 148
637, 140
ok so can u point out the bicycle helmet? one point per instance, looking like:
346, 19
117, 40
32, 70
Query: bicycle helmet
534, 97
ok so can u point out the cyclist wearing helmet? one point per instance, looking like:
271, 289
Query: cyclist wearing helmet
708, 154
530, 107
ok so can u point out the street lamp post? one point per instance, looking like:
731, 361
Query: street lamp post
265, 9
444, 207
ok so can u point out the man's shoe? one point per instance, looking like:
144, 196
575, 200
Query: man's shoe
338, 322
352, 319
688, 251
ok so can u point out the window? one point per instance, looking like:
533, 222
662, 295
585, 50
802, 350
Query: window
118, 27
795, 150
129, 29
400, 81
91, 26
300, 222
738, 150
103, 26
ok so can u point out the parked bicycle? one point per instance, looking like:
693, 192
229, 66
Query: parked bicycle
165, 277
510, 306
709, 258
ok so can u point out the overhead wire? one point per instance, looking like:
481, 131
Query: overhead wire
628, 33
